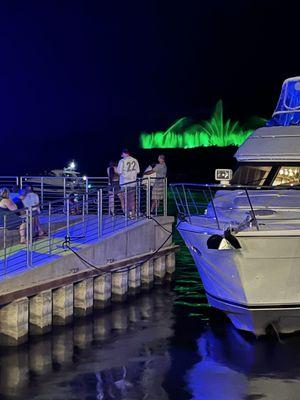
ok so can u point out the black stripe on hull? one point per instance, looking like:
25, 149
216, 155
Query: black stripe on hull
254, 307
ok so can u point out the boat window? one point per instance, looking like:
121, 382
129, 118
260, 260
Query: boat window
287, 176
251, 175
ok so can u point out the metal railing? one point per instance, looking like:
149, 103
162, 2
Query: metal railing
221, 206
9, 181
75, 220
55, 187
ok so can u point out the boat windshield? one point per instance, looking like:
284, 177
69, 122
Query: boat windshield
287, 176
287, 111
251, 175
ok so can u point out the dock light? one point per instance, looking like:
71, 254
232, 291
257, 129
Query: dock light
84, 177
72, 165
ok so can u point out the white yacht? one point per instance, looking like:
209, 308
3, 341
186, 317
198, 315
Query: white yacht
58, 180
244, 234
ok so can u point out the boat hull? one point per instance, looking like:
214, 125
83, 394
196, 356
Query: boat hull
257, 319
257, 285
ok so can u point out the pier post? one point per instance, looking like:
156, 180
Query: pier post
147, 276
160, 268
40, 313
170, 263
14, 322
119, 285
83, 297
102, 290
134, 278
63, 302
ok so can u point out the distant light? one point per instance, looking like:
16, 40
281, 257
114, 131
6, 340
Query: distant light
72, 165
89, 185
84, 178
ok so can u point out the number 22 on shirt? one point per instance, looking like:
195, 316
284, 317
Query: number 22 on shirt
130, 166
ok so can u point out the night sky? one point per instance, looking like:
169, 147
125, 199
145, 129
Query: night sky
82, 79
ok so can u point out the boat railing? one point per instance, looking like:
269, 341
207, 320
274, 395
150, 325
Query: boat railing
292, 111
217, 202
70, 222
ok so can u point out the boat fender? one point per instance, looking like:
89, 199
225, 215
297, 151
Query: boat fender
218, 242
214, 241
232, 239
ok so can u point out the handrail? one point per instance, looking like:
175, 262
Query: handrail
246, 205
59, 176
93, 215
222, 186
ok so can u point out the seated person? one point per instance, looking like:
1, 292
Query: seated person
14, 192
18, 199
8, 208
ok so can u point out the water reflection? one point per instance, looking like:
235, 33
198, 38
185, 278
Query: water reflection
245, 369
118, 354
166, 344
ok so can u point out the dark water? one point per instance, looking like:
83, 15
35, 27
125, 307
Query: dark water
165, 344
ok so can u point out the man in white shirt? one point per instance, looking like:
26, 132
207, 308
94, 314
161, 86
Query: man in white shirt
128, 169
32, 200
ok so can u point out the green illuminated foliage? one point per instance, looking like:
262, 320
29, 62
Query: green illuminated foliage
214, 132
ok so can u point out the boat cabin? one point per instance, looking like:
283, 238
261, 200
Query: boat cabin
271, 155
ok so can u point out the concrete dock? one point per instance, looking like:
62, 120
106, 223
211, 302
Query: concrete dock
67, 286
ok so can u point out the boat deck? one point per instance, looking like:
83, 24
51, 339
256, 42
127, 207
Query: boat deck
271, 225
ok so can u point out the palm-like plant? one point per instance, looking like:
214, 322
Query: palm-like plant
214, 132
223, 133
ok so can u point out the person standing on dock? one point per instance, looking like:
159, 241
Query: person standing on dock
113, 187
159, 172
32, 200
128, 169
